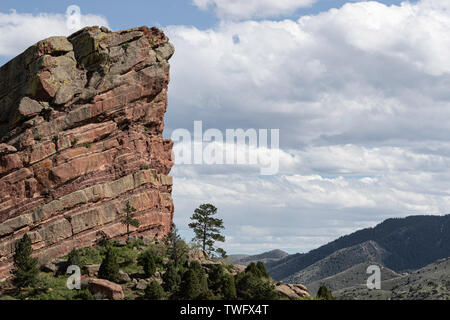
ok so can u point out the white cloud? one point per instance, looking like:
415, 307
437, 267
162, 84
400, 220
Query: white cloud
360, 94
239, 10
18, 31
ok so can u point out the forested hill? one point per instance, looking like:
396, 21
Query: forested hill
411, 242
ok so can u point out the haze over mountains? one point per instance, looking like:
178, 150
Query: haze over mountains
399, 246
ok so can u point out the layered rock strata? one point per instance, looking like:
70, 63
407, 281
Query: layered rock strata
81, 122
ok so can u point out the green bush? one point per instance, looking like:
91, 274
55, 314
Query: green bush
206, 295
109, 269
171, 278
147, 261
324, 294
190, 287
251, 287
154, 291
262, 270
215, 278
251, 268
201, 274
228, 289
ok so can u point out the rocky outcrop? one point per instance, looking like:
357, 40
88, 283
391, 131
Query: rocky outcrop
108, 289
292, 291
81, 122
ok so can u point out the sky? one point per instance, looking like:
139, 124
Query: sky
358, 90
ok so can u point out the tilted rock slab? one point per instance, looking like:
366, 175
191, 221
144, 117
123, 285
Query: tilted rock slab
81, 122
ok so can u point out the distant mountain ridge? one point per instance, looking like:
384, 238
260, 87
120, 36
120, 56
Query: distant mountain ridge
409, 243
265, 257
431, 282
340, 261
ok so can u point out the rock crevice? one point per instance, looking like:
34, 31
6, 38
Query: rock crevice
81, 122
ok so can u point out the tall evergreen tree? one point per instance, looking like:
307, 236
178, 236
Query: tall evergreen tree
207, 229
129, 219
262, 270
26, 268
176, 248
109, 269
148, 261
171, 278
228, 289
190, 287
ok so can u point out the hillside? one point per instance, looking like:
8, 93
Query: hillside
266, 257
354, 276
340, 261
412, 243
429, 283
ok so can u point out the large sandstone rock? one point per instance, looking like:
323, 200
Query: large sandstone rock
81, 122
292, 291
106, 288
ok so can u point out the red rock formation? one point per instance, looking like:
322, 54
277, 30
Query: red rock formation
81, 122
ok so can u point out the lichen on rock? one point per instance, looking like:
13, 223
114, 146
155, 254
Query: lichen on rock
81, 122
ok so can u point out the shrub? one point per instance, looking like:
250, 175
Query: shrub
228, 287
74, 142
201, 274
109, 269
324, 294
26, 268
251, 268
215, 278
38, 137
251, 287
145, 167
147, 261
190, 287
74, 258
262, 270
154, 291
171, 278
206, 295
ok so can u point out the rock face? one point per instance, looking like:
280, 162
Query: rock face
81, 122
292, 291
109, 290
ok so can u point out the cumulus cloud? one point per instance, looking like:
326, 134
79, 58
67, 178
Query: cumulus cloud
360, 95
239, 10
20, 30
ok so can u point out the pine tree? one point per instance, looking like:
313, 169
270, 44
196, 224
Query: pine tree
109, 269
324, 294
251, 287
74, 258
262, 270
26, 268
215, 278
207, 229
129, 219
148, 261
171, 279
190, 287
154, 291
201, 274
253, 269
228, 287
176, 248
